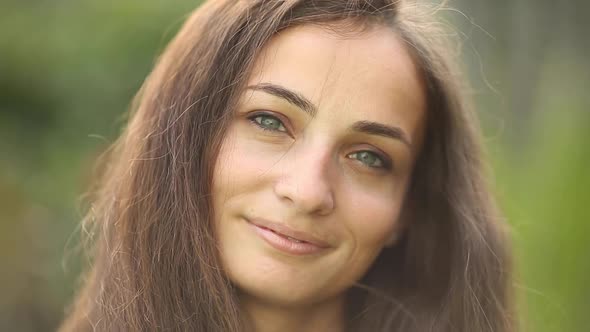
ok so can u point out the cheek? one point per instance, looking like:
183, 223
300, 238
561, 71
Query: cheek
228, 179
242, 170
242, 158
237, 164
368, 218
373, 217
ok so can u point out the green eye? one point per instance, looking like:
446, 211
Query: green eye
268, 122
369, 158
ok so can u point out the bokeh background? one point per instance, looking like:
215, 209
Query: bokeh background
68, 70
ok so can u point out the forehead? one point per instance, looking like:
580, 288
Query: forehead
368, 75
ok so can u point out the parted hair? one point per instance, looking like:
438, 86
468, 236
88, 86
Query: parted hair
154, 261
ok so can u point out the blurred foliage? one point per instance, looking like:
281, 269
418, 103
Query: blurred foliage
68, 71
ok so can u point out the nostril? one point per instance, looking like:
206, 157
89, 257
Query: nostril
309, 192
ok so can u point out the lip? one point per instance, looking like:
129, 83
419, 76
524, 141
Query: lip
285, 239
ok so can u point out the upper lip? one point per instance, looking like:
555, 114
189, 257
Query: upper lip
287, 231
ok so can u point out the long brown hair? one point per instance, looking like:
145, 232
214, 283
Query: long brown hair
155, 263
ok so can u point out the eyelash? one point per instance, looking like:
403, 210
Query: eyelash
260, 126
386, 163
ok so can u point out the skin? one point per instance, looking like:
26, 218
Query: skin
312, 174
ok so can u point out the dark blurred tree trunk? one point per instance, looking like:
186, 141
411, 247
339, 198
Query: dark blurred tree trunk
528, 39
524, 31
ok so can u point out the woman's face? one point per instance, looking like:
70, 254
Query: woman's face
312, 174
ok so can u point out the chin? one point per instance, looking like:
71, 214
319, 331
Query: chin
273, 283
281, 296
263, 277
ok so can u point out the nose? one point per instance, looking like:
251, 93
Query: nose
305, 181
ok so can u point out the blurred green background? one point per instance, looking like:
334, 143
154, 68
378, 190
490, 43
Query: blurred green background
68, 70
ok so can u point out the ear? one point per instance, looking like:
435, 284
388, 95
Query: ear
393, 238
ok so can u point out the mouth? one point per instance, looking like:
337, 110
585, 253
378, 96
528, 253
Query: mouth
287, 240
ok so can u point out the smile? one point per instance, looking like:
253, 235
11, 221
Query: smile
293, 243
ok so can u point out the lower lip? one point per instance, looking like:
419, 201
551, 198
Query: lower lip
283, 244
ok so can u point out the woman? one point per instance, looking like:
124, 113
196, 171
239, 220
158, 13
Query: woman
298, 166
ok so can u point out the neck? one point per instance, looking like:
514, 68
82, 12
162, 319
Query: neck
267, 317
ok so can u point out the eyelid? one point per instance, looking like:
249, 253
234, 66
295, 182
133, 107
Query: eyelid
284, 120
385, 159
388, 163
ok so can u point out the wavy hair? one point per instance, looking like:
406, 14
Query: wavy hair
155, 265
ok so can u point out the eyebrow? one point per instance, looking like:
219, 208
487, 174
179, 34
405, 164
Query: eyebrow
379, 129
298, 100
292, 97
